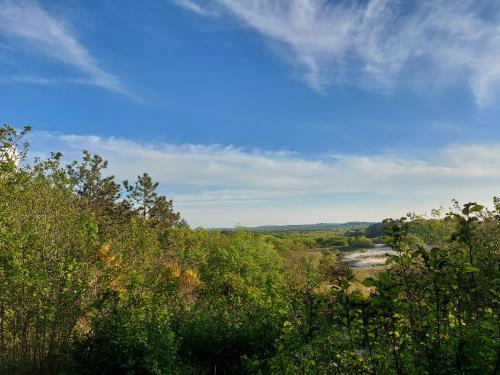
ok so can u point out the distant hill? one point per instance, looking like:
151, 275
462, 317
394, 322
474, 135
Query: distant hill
304, 227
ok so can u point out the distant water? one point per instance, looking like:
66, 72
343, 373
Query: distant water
373, 257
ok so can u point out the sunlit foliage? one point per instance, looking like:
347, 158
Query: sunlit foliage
102, 277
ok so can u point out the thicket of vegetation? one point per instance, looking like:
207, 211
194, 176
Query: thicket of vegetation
332, 240
98, 277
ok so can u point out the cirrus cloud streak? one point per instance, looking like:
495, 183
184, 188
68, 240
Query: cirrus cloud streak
381, 44
30, 29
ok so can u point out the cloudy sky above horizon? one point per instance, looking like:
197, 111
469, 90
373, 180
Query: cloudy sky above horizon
266, 111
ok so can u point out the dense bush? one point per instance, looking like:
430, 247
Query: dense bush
434, 310
130, 339
241, 305
333, 241
360, 242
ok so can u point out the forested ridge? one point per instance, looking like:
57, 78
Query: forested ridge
105, 277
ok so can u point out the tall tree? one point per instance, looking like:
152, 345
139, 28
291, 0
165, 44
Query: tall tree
163, 215
142, 194
100, 194
157, 209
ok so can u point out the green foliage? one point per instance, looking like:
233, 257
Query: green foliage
13, 147
47, 270
96, 277
242, 303
360, 242
146, 202
318, 240
434, 310
126, 339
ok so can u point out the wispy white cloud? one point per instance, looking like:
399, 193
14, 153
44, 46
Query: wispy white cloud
217, 185
31, 29
383, 43
27, 79
196, 7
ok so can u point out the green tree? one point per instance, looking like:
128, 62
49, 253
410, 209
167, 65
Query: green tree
157, 209
100, 194
142, 194
48, 269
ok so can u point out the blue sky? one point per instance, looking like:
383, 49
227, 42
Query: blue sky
261, 111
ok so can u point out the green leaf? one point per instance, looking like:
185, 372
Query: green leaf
370, 281
476, 208
469, 269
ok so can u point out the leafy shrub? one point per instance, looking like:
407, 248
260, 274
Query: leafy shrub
360, 242
127, 340
242, 304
